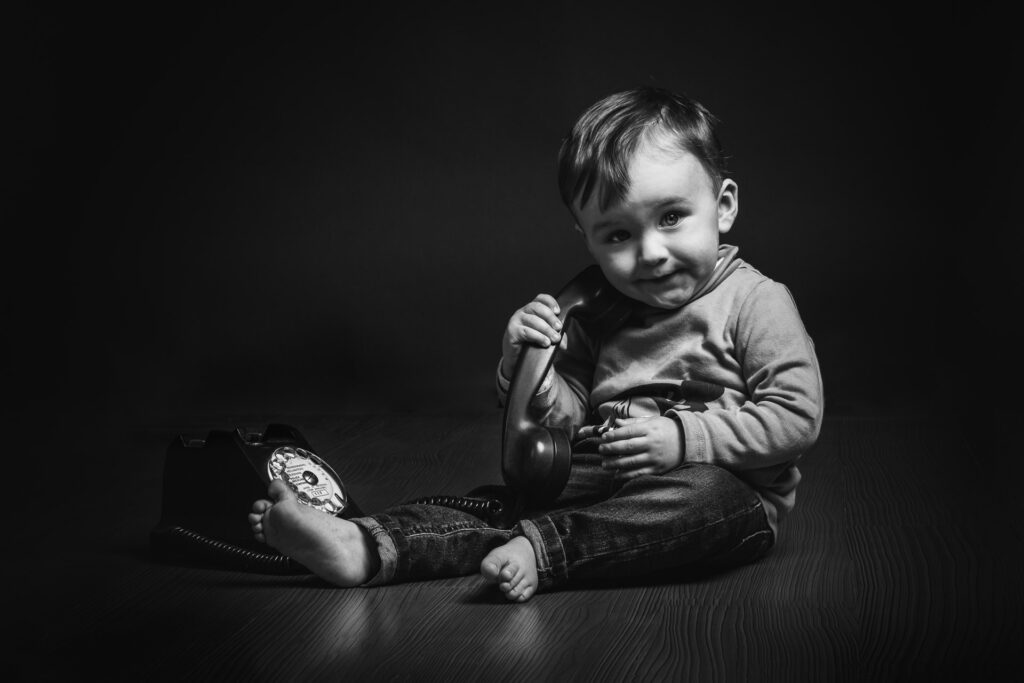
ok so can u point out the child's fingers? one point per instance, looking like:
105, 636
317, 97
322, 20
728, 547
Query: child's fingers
543, 312
626, 431
535, 322
532, 336
548, 301
630, 431
626, 447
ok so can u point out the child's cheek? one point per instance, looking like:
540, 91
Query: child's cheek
618, 267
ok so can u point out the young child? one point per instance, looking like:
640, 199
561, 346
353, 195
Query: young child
689, 419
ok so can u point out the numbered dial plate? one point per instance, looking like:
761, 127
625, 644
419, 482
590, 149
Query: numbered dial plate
312, 479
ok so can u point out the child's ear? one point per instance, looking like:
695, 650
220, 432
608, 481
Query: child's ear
728, 205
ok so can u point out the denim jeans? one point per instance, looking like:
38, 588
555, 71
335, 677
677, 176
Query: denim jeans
695, 515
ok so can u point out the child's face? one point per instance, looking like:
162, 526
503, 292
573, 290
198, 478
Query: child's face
660, 244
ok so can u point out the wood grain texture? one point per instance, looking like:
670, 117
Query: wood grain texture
902, 560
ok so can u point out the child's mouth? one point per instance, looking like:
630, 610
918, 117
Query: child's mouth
663, 279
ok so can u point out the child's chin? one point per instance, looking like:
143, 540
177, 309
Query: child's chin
667, 300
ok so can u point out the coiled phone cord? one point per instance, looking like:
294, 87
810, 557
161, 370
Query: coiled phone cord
179, 538
474, 506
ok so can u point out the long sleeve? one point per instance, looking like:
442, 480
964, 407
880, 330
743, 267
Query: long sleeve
781, 415
563, 397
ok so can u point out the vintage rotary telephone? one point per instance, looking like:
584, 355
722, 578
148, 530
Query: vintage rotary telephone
209, 484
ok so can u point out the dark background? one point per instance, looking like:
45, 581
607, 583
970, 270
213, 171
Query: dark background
246, 211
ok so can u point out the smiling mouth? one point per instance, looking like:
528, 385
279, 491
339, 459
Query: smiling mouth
659, 280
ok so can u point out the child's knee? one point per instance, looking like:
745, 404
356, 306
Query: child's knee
709, 476
707, 485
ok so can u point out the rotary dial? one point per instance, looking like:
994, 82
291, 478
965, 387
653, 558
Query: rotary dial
312, 479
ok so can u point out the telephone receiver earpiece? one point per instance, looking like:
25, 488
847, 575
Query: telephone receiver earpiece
536, 460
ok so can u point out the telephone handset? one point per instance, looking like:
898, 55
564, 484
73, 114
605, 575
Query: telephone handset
209, 484
535, 460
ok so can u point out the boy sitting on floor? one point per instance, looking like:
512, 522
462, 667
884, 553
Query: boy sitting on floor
689, 419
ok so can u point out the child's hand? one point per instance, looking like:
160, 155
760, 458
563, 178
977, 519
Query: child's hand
536, 323
642, 445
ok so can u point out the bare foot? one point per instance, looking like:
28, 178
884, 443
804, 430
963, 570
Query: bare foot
513, 567
333, 548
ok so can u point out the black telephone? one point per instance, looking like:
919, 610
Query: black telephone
536, 460
209, 484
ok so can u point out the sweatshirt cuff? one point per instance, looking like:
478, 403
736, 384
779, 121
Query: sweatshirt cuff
504, 382
695, 440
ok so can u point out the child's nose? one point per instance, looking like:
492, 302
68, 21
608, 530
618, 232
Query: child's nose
652, 249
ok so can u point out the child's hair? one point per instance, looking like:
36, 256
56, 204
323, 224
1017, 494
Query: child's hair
598, 149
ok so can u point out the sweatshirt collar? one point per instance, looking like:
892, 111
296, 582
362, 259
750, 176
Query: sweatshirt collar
727, 263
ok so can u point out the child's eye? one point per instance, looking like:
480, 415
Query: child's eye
671, 218
617, 236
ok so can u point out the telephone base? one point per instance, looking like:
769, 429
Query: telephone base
210, 484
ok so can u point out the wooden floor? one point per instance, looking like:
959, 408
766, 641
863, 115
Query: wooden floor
902, 560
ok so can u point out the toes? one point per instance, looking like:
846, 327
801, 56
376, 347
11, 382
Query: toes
279, 491
513, 574
516, 585
256, 522
521, 593
261, 506
499, 570
490, 569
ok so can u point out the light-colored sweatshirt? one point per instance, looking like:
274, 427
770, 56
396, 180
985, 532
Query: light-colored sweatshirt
734, 366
